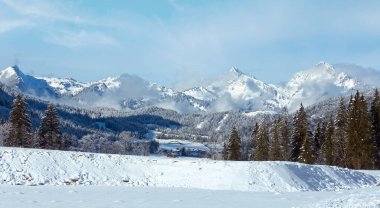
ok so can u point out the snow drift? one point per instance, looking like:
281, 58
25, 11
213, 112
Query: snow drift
43, 167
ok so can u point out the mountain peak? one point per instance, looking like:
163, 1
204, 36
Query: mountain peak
323, 63
235, 70
321, 71
324, 66
11, 75
11, 71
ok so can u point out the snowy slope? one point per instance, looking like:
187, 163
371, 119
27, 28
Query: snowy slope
14, 78
41, 167
201, 93
9, 76
65, 86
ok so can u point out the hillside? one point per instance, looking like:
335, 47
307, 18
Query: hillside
41, 167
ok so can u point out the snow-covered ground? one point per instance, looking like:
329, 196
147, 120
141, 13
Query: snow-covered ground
147, 197
72, 179
41, 167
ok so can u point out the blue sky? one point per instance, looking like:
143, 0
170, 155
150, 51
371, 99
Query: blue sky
181, 43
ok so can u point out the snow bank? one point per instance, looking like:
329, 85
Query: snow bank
41, 167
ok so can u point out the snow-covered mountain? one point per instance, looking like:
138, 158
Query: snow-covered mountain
65, 86
13, 77
233, 90
321, 82
132, 92
238, 91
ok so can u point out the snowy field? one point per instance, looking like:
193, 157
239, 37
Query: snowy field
144, 197
38, 178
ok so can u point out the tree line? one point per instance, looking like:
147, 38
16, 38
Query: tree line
18, 132
350, 137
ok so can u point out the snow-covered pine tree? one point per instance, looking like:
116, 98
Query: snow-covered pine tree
234, 146
340, 136
253, 141
49, 133
275, 151
299, 134
375, 125
328, 145
262, 143
20, 126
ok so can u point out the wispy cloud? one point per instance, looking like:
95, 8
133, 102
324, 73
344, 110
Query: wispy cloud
10, 24
201, 38
51, 10
81, 38
58, 21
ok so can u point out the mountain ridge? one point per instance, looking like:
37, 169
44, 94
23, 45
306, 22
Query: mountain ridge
232, 91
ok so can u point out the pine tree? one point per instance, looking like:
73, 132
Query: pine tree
375, 126
328, 146
340, 136
317, 142
368, 144
360, 148
285, 134
253, 141
49, 133
275, 152
225, 151
301, 132
306, 150
234, 146
262, 143
296, 141
20, 126
323, 133
352, 125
